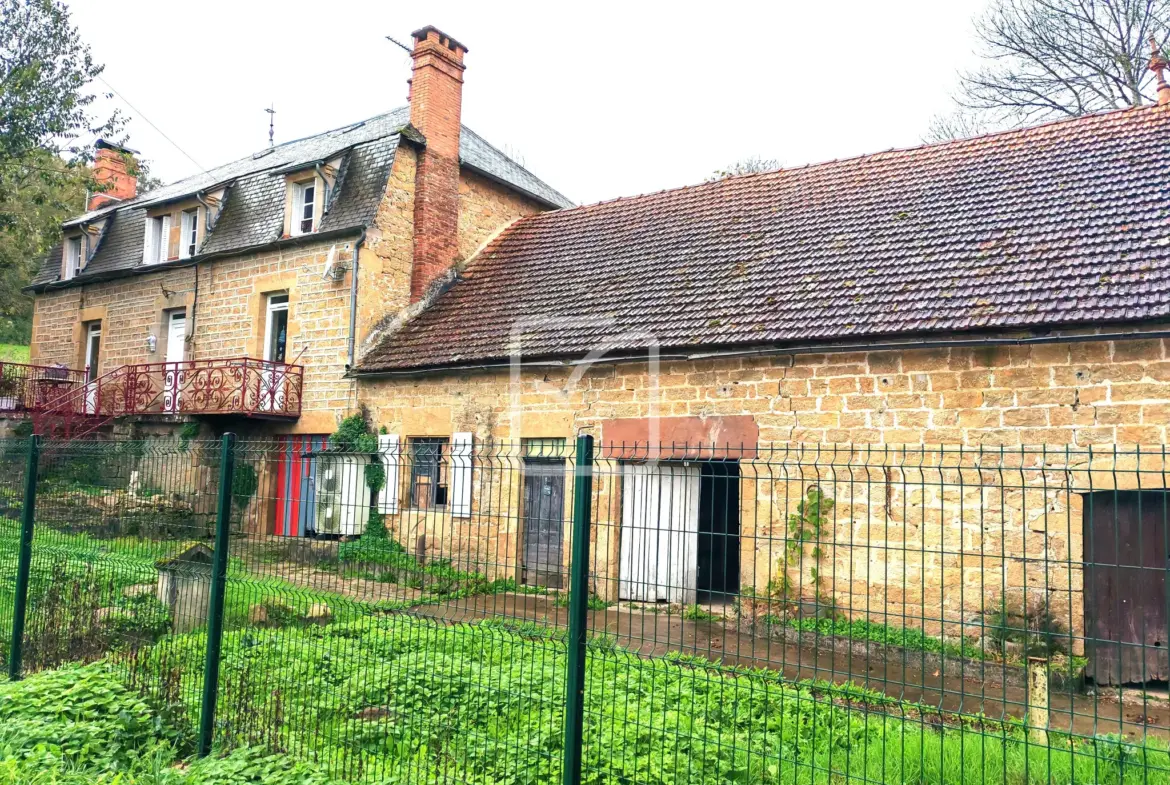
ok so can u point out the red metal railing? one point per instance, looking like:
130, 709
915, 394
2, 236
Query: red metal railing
28, 388
238, 385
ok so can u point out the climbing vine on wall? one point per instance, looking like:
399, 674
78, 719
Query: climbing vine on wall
806, 525
355, 435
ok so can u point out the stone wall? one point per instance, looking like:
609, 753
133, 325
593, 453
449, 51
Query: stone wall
229, 306
938, 511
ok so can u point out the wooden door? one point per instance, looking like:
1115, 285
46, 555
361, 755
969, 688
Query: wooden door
660, 533
1126, 549
544, 522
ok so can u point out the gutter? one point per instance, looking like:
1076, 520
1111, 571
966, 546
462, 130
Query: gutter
877, 346
353, 294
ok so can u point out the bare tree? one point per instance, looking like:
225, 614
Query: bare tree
1063, 58
749, 165
960, 124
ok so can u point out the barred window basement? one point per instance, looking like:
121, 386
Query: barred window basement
428, 472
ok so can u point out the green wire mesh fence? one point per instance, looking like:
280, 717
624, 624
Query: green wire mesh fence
429, 610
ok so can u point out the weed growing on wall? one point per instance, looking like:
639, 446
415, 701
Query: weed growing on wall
805, 526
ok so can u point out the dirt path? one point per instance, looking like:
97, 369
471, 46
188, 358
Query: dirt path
952, 686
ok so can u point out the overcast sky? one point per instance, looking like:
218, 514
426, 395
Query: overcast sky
599, 99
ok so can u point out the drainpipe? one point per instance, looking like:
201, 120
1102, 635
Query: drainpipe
353, 289
199, 197
324, 188
206, 210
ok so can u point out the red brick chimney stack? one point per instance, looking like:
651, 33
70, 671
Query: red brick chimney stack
1159, 64
436, 93
111, 169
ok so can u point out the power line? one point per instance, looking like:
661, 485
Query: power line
152, 125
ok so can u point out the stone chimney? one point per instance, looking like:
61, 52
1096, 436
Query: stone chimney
1159, 64
436, 92
112, 170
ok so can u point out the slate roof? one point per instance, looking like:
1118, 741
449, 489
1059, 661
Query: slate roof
254, 211
1062, 224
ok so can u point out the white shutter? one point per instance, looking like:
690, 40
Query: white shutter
461, 475
149, 249
165, 241
390, 453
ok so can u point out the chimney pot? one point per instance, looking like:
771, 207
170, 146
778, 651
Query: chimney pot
112, 168
1159, 64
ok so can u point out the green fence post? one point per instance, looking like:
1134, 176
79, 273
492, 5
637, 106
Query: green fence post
223, 516
24, 563
578, 612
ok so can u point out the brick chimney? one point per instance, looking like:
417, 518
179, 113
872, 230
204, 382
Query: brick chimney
110, 167
436, 92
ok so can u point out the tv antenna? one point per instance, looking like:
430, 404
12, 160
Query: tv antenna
271, 124
399, 44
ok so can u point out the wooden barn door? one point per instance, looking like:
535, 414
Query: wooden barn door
544, 522
1126, 549
660, 533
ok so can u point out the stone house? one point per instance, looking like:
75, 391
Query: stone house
853, 325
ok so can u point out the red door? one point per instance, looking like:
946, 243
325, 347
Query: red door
295, 484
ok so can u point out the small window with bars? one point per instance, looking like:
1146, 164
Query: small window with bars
428, 472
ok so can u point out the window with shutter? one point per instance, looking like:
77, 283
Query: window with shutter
390, 454
428, 472
304, 208
461, 475
189, 238
72, 258
156, 246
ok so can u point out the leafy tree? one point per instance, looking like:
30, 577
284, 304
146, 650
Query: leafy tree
47, 118
1047, 59
33, 202
45, 75
749, 165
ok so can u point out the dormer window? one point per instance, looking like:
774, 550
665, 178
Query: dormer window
189, 237
72, 261
304, 208
158, 239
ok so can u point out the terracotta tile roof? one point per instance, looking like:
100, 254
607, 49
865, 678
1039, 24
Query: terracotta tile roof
1062, 224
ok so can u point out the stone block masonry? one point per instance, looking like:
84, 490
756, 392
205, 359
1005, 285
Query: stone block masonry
917, 533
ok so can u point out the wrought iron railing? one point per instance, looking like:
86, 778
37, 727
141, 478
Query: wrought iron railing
26, 388
237, 385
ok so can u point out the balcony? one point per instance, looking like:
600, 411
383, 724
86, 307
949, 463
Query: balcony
241, 386
29, 388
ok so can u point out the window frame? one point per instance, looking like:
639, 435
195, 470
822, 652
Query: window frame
158, 241
189, 233
73, 257
434, 465
299, 203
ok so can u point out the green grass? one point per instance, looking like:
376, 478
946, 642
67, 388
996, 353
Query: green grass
593, 603
907, 638
696, 613
13, 353
400, 699
80, 726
